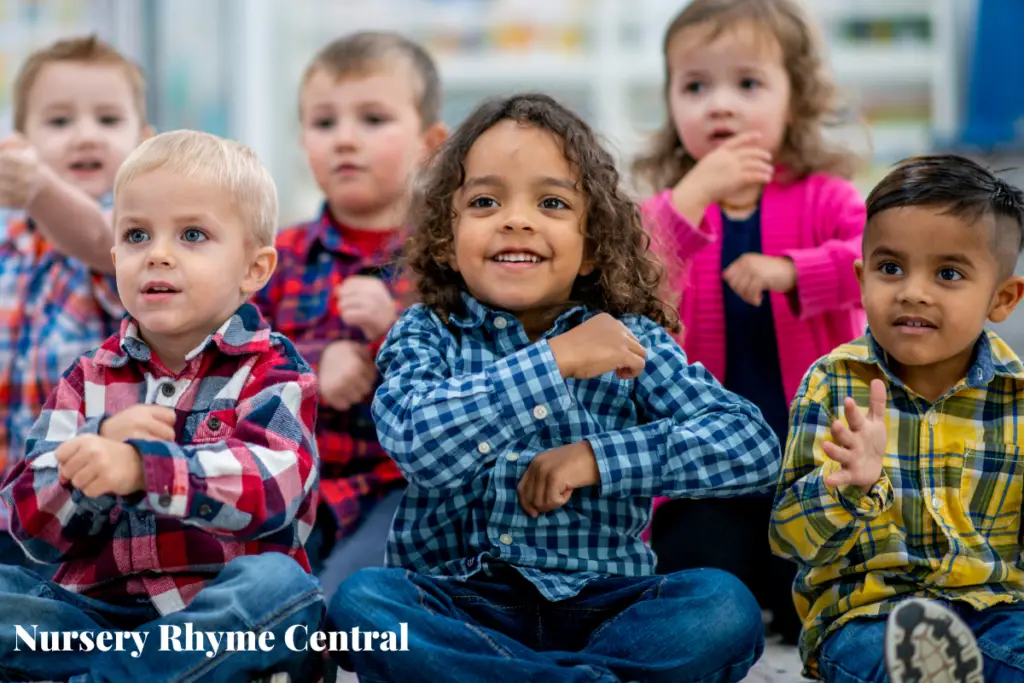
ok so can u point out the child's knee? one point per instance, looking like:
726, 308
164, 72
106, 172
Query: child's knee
732, 612
367, 592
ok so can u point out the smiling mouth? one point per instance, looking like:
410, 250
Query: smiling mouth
517, 257
915, 323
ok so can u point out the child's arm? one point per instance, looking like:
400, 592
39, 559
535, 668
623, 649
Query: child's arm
252, 483
53, 521
696, 439
68, 217
442, 429
825, 280
821, 505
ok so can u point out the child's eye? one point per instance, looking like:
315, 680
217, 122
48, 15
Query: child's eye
110, 120
553, 203
749, 83
693, 87
193, 235
483, 203
375, 119
324, 122
950, 274
134, 236
890, 268
59, 121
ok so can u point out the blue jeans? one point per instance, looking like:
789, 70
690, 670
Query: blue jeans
695, 626
261, 593
856, 654
12, 554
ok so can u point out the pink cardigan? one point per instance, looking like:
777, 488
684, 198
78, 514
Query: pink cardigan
817, 222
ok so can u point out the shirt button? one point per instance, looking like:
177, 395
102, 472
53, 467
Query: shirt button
484, 447
933, 419
213, 423
500, 323
204, 510
936, 502
165, 500
167, 390
505, 539
512, 457
540, 412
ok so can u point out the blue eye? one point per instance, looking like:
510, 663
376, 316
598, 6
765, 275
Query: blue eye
193, 235
135, 236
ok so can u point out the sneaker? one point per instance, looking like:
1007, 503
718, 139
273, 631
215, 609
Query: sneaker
927, 643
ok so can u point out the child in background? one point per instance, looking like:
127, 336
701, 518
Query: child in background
759, 229
173, 470
921, 496
370, 107
535, 404
79, 109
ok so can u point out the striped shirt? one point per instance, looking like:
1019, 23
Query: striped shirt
466, 406
239, 479
943, 521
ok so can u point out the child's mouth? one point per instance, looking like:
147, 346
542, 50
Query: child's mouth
86, 166
517, 260
914, 325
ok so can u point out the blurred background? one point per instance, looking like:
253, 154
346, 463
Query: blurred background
923, 75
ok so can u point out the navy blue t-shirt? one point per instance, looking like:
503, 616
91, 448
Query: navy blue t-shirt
751, 348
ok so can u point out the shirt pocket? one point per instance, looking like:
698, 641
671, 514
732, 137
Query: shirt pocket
211, 426
992, 485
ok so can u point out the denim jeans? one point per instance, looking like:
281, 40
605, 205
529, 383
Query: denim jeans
695, 626
856, 653
262, 593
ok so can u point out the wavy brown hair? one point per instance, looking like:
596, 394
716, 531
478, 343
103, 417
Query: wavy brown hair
627, 276
813, 106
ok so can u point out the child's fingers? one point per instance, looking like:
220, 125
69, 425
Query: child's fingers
853, 414
163, 414
749, 137
840, 478
159, 431
524, 490
838, 453
842, 435
85, 477
877, 402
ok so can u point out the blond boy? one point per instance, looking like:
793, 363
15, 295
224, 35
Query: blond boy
173, 470
370, 111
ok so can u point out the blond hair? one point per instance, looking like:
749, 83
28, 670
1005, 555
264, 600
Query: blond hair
813, 106
88, 50
211, 160
364, 52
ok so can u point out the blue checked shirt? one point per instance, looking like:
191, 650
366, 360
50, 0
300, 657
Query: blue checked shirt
465, 407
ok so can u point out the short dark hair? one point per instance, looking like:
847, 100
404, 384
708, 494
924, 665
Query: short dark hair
360, 53
962, 188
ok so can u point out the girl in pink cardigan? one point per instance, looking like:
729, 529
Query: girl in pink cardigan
759, 230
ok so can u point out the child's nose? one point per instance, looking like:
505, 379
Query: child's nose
160, 254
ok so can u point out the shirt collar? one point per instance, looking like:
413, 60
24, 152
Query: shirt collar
324, 229
244, 333
474, 314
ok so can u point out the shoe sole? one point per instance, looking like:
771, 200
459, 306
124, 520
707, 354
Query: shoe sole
926, 643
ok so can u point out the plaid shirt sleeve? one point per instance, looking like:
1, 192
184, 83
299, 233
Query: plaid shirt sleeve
695, 437
53, 521
251, 484
432, 422
268, 301
812, 522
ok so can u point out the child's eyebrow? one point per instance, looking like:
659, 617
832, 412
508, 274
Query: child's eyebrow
955, 258
557, 182
483, 181
887, 252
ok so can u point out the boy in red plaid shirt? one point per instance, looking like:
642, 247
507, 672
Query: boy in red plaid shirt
370, 107
173, 470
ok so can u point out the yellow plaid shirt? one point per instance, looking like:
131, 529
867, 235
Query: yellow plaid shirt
944, 519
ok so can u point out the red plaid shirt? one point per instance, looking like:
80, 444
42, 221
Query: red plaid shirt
299, 302
239, 479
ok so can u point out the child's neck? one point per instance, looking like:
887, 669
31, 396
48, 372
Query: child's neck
742, 204
933, 381
381, 219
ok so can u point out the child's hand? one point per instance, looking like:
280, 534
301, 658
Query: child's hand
346, 374
21, 172
97, 466
599, 345
553, 475
735, 165
751, 274
366, 303
860, 448
143, 421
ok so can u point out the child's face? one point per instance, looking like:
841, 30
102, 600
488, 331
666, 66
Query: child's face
519, 233
928, 283
734, 83
183, 258
364, 140
82, 120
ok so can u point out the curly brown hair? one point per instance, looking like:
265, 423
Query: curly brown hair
813, 106
627, 276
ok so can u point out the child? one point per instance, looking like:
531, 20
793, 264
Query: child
921, 496
173, 469
760, 231
370, 106
535, 405
79, 109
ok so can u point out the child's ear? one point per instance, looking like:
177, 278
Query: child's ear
1006, 298
858, 271
261, 266
434, 137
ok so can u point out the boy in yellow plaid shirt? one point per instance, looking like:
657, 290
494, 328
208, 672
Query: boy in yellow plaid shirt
905, 518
